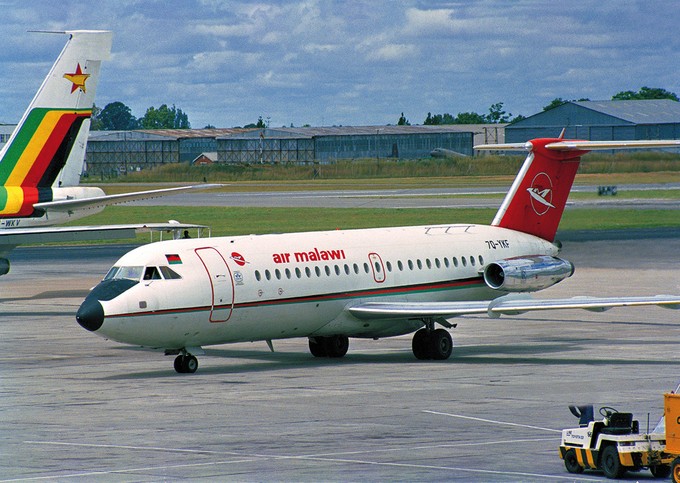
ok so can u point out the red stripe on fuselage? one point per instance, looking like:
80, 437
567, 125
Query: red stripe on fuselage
429, 287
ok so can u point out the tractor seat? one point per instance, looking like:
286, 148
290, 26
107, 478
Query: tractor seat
619, 423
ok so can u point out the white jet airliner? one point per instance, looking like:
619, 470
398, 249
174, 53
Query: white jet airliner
329, 286
41, 163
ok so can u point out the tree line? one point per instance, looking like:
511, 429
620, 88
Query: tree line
116, 116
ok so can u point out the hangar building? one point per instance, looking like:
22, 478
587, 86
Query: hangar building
602, 121
327, 144
110, 153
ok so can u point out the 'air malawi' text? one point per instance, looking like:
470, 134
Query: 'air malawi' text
315, 255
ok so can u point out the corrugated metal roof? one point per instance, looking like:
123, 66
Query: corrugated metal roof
311, 132
163, 134
653, 111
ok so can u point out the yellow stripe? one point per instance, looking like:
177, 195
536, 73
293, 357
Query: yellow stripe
626, 459
15, 198
33, 148
591, 460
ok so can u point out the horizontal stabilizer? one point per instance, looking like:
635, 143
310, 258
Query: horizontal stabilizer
102, 201
60, 234
583, 145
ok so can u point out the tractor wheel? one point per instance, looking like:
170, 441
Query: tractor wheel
611, 464
571, 462
675, 470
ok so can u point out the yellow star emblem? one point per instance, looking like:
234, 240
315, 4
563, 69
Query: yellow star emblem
78, 79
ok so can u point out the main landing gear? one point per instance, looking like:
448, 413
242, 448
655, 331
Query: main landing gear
334, 346
432, 344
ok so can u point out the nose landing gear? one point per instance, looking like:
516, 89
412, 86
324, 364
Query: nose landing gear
185, 363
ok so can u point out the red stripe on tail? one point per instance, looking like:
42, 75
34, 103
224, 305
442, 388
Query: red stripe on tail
538, 196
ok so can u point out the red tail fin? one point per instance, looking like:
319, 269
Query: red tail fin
536, 200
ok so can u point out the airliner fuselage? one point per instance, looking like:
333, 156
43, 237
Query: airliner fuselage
267, 287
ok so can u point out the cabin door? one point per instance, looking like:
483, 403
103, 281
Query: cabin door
221, 283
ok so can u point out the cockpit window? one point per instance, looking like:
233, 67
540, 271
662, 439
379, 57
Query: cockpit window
151, 273
129, 273
169, 273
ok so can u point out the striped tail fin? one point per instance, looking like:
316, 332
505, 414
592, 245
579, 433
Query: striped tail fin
536, 200
49, 141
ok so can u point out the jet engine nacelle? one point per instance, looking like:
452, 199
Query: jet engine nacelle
527, 274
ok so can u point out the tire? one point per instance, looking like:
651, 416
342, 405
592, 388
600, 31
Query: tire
441, 345
571, 462
317, 347
420, 345
660, 471
675, 470
336, 346
179, 364
190, 364
610, 463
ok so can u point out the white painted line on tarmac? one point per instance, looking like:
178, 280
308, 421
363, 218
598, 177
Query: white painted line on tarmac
493, 421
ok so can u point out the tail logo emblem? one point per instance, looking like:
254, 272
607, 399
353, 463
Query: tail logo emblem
78, 79
541, 192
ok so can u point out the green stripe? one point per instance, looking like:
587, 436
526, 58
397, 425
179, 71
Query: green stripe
22, 139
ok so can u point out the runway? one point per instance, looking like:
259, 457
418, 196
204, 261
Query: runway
425, 197
74, 407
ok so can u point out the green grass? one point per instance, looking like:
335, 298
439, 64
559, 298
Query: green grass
242, 221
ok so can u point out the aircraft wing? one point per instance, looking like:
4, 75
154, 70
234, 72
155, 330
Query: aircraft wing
508, 305
101, 201
19, 236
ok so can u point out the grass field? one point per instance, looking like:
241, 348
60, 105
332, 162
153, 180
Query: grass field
488, 171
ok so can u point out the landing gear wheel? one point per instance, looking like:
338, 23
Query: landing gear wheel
440, 344
611, 465
317, 347
336, 346
571, 462
420, 345
179, 362
660, 471
186, 364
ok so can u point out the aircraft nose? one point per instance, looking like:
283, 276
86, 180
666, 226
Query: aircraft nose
90, 315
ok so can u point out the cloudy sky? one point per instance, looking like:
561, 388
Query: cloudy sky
325, 62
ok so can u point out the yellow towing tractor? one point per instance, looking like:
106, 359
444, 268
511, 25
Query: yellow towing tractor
615, 445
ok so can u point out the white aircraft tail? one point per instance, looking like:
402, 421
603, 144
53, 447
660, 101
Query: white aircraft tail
48, 146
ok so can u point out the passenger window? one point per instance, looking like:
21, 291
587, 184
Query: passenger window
327, 269
410, 265
481, 260
389, 267
462, 259
356, 268
277, 273
169, 273
267, 275
366, 267
446, 262
288, 273
428, 263
337, 270
347, 269
317, 270
420, 264
455, 262
308, 272
472, 261
437, 263
400, 266
258, 277
298, 273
